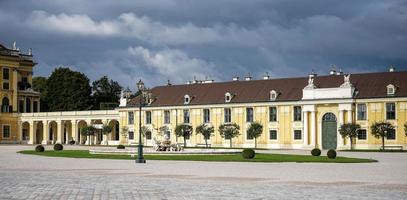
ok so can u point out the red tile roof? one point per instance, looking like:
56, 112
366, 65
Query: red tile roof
368, 85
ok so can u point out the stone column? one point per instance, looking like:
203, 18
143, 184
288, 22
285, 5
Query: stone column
20, 131
339, 137
45, 134
15, 89
313, 129
305, 127
74, 130
105, 136
59, 132
88, 138
32, 132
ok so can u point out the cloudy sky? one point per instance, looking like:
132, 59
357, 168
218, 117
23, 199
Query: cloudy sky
158, 40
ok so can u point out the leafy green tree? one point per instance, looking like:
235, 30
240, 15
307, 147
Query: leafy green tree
40, 85
254, 131
105, 91
68, 90
183, 130
90, 131
206, 131
229, 131
381, 130
106, 129
349, 130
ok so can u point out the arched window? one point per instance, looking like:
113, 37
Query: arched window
273, 95
228, 97
329, 117
5, 105
187, 99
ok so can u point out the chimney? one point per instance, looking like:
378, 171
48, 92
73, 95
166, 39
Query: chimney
339, 72
248, 78
236, 78
266, 77
392, 69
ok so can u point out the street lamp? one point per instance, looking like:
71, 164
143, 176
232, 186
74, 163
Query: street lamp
142, 90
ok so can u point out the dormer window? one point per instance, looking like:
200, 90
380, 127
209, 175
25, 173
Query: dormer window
228, 97
391, 90
187, 99
273, 95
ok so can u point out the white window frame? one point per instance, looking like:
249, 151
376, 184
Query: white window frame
357, 112
391, 90
270, 135
302, 136
187, 99
273, 95
228, 97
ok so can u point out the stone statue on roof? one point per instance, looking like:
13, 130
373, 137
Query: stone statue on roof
346, 81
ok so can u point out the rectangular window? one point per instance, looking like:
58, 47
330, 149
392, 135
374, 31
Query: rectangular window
131, 135
228, 115
297, 113
6, 74
6, 131
248, 137
6, 86
186, 116
273, 134
35, 108
361, 111
362, 134
131, 117
148, 117
391, 135
21, 106
249, 114
148, 135
206, 115
297, 135
272, 114
390, 111
167, 117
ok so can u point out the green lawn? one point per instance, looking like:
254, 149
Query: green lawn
217, 158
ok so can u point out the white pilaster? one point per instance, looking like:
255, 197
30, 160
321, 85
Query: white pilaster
305, 131
339, 140
74, 130
59, 132
45, 134
32, 133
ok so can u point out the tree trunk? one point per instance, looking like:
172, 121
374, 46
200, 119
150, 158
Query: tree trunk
351, 145
230, 140
255, 143
383, 143
206, 143
185, 142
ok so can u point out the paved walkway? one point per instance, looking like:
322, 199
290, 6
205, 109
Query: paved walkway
36, 177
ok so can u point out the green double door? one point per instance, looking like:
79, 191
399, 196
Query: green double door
329, 136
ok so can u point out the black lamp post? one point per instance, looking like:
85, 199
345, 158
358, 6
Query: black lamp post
142, 91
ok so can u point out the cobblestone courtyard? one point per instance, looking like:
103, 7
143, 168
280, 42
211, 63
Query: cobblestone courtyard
35, 177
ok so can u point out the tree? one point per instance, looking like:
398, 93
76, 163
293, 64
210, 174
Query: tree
105, 91
124, 131
106, 129
185, 131
68, 90
349, 130
144, 130
89, 131
381, 130
254, 131
405, 129
40, 85
206, 132
229, 131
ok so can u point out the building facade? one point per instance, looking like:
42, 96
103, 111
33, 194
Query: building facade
16, 94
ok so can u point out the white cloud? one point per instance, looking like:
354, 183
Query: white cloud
173, 64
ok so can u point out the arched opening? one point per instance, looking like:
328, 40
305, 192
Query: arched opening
5, 105
25, 132
67, 132
114, 136
81, 139
98, 137
329, 131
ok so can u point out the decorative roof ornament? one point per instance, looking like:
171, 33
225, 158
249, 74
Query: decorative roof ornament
311, 84
346, 81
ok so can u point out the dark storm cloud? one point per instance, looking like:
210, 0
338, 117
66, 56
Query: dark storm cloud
179, 39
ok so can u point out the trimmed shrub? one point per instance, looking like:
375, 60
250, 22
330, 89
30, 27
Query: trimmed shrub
39, 148
316, 152
331, 154
58, 147
248, 153
120, 146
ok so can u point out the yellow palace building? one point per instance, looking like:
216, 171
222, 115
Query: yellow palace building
296, 113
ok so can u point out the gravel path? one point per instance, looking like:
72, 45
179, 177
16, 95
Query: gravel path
36, 177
